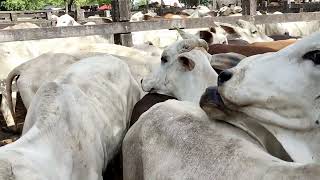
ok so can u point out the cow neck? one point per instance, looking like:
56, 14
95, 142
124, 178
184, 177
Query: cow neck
303, 146
266, 139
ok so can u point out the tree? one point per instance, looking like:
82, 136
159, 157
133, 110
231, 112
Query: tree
40, 4
29, 4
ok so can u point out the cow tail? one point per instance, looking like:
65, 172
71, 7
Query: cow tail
12, 75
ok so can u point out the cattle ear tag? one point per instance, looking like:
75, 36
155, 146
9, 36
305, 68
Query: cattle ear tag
187, 63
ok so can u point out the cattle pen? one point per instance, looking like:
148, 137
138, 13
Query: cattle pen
121, 28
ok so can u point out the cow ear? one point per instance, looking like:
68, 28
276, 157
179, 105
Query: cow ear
229, 29
225, 61
186, 63
207, 36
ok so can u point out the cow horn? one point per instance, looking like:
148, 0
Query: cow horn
184, 34
203, 43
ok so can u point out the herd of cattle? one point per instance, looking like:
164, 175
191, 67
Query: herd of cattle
223, 102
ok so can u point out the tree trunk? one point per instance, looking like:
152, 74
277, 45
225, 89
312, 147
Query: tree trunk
70, 4
66, 6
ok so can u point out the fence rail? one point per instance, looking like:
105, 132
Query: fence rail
127, 27
121, 28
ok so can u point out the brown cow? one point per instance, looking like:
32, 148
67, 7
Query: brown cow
245, 50
276, 45
251, 49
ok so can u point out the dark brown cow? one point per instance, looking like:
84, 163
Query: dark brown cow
146, 103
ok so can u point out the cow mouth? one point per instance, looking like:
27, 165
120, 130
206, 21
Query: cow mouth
211, 98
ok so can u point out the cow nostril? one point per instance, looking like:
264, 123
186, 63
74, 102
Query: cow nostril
224, 76
141, 80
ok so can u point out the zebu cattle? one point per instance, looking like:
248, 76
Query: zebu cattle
241, 30
246, 50
224, 32
219, 62
276, 45
297, 29
244, 30
66, 20
32, 74
79, 122
145, 104
241, 49
285, 102
21, 26
176, 140
230, 11
181, 63
251, 49
221, 3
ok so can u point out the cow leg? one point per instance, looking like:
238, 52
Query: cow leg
6, 111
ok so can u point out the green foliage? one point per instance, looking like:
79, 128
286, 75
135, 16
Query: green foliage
40, 4
204, 2
92, 2
29, 4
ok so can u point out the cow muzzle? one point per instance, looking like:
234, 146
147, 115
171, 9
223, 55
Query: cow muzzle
146, 88
211, 98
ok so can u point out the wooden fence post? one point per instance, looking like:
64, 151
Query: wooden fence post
249, 7
49, 15
214, 4
79, 14
66, 6
286, 6
121, 13
13, 17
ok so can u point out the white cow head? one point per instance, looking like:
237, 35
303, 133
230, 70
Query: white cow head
280, 91
186, 71
66, 20
244, 30
207, 34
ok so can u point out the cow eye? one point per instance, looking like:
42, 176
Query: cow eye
254, 32
186, 46
164, 59
313, 56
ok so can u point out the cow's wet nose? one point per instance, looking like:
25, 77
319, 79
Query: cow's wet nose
141, 80
224, 76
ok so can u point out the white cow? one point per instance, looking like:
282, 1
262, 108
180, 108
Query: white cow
32, 74
22, 26
183, 62
176, 140
66, 20
299, 28
293, 28
13, 54
243, 30
80, 119
279, 91
186, 64
224, 32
